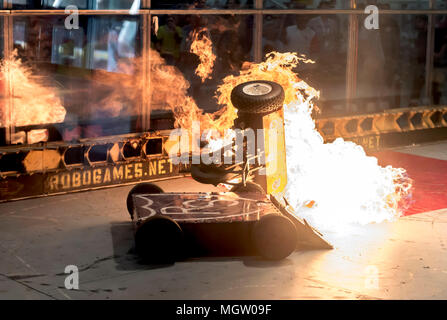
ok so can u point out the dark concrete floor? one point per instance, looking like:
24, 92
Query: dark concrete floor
406, 259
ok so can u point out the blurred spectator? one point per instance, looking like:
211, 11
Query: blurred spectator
232, 41
325, 28
112, 49
126, 39
229, 52
440, 64
169, 38
273, 37
419, 60
198, 4
390, 40
243, 26
328, 74
188, 60
299, 37
371, 61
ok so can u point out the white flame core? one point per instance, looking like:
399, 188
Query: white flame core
346, 185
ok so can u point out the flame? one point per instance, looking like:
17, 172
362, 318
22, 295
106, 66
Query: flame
169, 87
277, 68
166, 89
336, 184
202, 47
31, 102
331, 184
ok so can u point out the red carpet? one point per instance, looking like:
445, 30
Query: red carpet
429, 179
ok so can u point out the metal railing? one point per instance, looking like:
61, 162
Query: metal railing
393, 120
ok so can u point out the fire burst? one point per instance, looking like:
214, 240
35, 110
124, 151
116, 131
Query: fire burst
202, 47
331, 184
340, 182
32, 102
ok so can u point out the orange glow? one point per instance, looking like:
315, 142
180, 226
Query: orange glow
165, 87
33, 101
277, 68
202, 47
331, 184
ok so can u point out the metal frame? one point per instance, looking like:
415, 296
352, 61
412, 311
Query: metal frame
351, 58
146, 35
257, 33
429, 59
8, 10
396, 127
7, 47
41, 170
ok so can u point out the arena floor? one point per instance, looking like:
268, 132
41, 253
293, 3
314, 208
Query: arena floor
39, 237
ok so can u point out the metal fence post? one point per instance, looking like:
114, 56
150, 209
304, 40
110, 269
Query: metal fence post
351, 59
7, 52
257, 32
428, 94
146, 47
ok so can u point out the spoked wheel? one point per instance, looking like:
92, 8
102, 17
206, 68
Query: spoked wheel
274, 237
159, 239
141, 188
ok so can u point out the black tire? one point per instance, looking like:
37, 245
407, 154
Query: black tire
144, 187
259, 97
159, 240
209, 175
274, 237
250, 187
